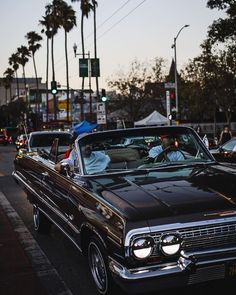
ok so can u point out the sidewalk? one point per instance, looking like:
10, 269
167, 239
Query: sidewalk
16, 273
24, 267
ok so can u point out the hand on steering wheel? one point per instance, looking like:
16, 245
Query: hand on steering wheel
163, 156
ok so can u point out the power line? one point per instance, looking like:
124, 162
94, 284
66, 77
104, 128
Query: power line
98, 27
115, 24
106, 20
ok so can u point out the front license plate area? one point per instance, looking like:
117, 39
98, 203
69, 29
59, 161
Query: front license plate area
231, 270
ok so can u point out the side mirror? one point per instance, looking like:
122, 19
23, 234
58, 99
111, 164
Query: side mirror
22, 151
65, 170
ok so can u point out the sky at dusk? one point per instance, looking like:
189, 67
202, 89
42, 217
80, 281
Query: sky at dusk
126, 30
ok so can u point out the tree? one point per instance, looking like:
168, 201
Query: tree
8, 78
45, 22
86, 7
68, 22
214, 73
34, 45
14, 62
223, 29
53, 24
95, 4
23, 54
131, 94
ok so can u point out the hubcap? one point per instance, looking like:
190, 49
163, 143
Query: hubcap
98, 267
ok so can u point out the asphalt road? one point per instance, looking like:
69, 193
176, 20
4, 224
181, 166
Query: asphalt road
65, 258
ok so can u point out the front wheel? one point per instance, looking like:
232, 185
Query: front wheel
42, 224
99, 267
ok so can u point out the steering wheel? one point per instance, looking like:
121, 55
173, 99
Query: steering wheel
162, 157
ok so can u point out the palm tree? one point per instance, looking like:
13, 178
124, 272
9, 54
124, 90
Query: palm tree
95, 4
33, 39
14, 62
68, 22
86, 7
53, 23
23, 54
9, 76
45, 22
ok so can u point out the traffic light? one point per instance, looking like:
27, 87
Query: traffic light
172, 95
54, 87
104, 96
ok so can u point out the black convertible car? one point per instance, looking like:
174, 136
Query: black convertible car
150, 207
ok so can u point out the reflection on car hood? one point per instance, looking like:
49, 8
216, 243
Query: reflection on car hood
170, 192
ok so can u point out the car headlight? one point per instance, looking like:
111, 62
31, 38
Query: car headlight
142, 247
170, 243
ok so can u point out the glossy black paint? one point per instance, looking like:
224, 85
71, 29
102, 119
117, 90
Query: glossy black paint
112, 205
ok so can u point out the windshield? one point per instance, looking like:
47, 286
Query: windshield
157, 147
46, 140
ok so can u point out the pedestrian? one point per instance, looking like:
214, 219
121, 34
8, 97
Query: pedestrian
199, 130
225, 135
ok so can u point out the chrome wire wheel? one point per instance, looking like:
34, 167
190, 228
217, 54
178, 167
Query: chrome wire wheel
36, 217
98, 267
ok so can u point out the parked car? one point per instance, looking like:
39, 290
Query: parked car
144, 225
3, 138
44, 139
226, 152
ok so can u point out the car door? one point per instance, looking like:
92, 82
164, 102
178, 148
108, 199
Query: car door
56, 187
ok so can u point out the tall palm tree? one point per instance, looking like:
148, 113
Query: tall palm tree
45, 22
14, 62
86, 7
8, 78
53, 22
23, 58
33, 39
68, 22
95, 4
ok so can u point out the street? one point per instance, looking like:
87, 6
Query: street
70, 265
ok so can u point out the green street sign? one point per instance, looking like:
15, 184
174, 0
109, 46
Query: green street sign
83, 67
95, 68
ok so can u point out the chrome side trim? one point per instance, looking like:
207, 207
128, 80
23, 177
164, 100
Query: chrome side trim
64, 232
39, 197
53, 209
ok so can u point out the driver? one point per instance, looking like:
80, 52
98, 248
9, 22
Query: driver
167, 143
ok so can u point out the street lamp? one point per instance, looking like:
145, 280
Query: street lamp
176, 78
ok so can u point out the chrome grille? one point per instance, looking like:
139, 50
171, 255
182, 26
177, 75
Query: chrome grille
203, 237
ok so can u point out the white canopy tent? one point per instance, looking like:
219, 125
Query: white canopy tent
154, 118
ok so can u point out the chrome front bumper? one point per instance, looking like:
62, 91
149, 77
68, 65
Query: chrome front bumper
190, 268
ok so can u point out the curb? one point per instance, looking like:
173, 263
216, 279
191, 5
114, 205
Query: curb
45, 272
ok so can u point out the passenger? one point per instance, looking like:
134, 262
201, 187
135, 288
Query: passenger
70, 158
166, 142
72, 144
94, 161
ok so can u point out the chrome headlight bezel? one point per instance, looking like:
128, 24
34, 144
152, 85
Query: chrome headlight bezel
142, 247
170, 243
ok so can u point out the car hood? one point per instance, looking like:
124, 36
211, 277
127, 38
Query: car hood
170, 192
